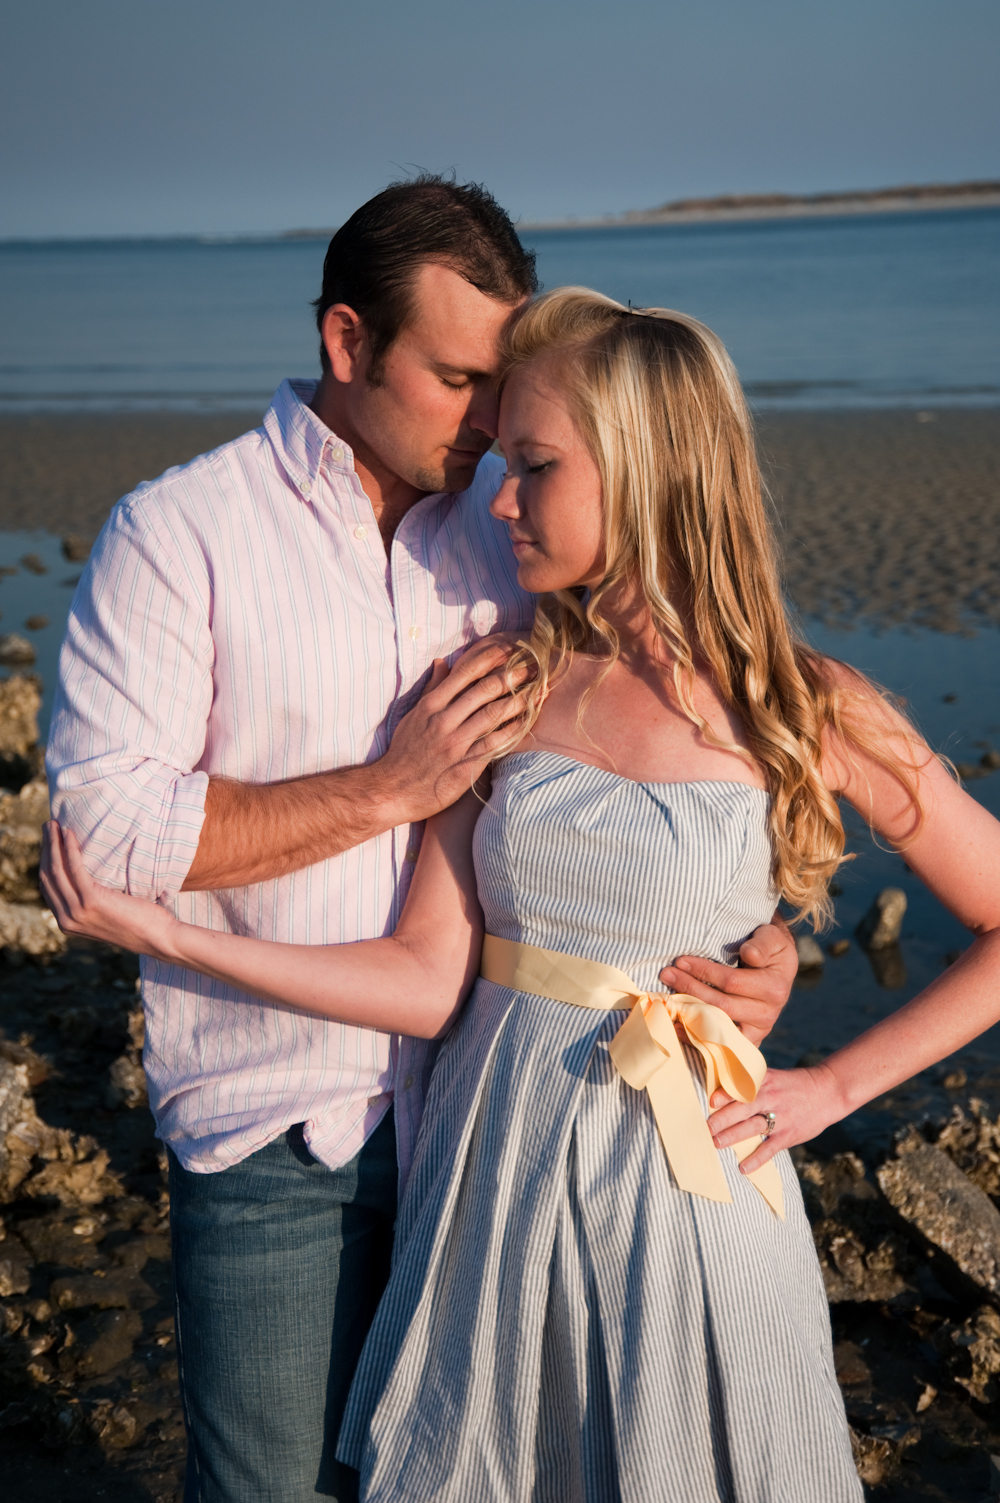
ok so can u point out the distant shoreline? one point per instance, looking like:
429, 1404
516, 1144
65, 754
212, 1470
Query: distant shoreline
749, 207
745, 207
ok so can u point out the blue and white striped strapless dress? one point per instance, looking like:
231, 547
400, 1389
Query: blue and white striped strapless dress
563, 1324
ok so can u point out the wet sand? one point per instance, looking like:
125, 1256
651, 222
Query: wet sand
883, 517
887, 518
64, 473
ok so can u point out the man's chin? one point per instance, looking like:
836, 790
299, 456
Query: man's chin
453, 476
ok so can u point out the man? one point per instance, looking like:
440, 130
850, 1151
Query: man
239, 733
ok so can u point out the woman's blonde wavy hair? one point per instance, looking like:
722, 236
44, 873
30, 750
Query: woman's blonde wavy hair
660, 407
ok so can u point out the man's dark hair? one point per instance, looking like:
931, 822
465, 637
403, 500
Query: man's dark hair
373, 259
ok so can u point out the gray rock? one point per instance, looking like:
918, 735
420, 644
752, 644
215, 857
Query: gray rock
31, 930
881, 925
811, 957
15, 651
118, 1289
105, 1339
21, 818
15, 1277
15, 1270
13, 1089
888, 967
20, 700
115, 1425
126, 1083
75, 549
976, 1363
931, 1193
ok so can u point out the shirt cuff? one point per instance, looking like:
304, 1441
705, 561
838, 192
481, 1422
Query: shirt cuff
164, 849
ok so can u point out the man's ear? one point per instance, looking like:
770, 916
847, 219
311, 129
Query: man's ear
345, 342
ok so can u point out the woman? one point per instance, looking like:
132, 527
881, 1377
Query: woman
591, 1297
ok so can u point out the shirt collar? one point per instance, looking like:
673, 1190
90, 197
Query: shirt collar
301, 441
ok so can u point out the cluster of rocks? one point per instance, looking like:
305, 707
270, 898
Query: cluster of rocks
909, 1246
87, 1360
878, 934
16, 651
26, 928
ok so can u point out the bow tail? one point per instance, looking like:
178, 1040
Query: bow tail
766, 1179
693, 1157
648, 1055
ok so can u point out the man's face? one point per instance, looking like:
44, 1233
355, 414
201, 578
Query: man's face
433, 414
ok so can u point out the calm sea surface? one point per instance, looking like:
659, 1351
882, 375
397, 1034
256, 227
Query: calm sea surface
858, 311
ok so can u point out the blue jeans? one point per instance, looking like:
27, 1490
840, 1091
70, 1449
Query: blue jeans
279, 1264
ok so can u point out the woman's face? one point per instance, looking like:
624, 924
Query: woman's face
551, 495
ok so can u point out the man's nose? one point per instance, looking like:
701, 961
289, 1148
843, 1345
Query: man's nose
484, 410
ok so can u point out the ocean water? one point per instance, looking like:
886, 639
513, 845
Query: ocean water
870, 310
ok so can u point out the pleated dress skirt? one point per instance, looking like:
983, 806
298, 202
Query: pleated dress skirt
563, 1322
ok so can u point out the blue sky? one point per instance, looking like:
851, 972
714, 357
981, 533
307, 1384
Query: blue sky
178, 116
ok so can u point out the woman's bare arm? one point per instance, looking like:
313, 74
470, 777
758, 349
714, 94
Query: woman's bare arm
411, 982
955, 850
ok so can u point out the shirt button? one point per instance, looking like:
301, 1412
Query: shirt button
306, 487
412, 854
414, 633
408, 1082
337, 455
360, 533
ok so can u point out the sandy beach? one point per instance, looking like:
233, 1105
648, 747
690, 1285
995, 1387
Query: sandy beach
890, 517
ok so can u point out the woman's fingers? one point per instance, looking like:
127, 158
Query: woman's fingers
802, 1103
81, 879
56, 883
761, 1155
750, 1125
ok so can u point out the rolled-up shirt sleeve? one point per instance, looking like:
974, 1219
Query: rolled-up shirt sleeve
130, 720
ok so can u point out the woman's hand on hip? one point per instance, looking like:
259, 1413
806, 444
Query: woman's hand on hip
804, 1102
83, 906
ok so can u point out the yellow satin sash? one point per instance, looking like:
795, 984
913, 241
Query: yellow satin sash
648, 1055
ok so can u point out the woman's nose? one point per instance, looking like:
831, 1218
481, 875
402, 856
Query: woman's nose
504, 504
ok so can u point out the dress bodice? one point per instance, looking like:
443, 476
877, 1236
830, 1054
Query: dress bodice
574, 858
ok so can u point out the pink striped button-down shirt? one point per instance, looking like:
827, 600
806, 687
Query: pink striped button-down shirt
239, 617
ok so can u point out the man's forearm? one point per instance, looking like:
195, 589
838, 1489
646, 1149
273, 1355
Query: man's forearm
256, 832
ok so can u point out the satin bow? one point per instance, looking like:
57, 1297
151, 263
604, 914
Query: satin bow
649, 1056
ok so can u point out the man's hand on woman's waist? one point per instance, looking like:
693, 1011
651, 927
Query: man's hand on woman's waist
752, 995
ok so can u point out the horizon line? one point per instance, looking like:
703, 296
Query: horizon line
722, 208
